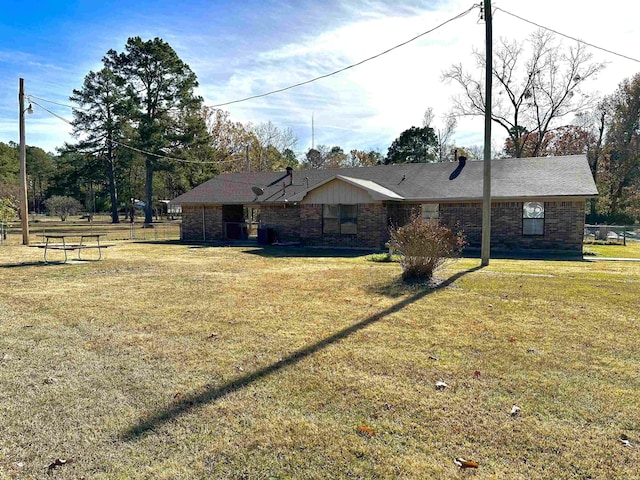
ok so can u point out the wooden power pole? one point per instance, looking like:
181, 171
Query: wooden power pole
485, 251
24, 206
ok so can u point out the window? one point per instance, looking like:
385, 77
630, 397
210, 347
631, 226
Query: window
340, 219
430, 211
533, 218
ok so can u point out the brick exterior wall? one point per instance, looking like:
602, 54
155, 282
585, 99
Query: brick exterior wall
399, 214
284, 219
192, 223
563, 225
371, 231
311, 224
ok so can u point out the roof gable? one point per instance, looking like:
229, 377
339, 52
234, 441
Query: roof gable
345, 190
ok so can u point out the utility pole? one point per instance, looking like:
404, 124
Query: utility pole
485, 251
24, 206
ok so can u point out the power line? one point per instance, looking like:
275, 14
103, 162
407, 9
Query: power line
164, 157
460, 15
568, 36
129, 146
55, 103
50, 112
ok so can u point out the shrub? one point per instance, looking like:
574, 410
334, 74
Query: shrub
63, 206
424, 247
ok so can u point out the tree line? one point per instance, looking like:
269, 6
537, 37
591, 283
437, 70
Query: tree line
141, 132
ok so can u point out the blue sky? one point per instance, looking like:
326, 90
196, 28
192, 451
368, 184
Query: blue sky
241, 48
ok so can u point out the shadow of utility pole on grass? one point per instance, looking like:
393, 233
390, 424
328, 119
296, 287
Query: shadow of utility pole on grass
208, 395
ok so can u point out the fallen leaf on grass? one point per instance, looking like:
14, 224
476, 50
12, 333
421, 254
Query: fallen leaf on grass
213, 336
440, 385
462, 463
625, 442
365, 431
476, 374
512, 339
50, 381
177, 395
431, 357
515, 410
59, 462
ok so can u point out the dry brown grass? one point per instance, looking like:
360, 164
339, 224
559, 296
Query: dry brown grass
170, 362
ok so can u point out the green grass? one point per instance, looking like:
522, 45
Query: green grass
630, 250
170, 362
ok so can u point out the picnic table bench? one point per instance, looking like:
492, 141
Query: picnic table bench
65, 246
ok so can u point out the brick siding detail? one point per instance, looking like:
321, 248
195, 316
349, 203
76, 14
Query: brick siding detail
192, 220
563, 225
284, 219
311, 223
371, 231
465, 216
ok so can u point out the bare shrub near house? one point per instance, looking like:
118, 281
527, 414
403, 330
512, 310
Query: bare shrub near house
424, 247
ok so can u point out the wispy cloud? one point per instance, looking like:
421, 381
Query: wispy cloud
240, 49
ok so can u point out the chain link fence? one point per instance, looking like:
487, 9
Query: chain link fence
11, 233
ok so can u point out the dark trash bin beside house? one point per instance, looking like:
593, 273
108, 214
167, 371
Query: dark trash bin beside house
266, 236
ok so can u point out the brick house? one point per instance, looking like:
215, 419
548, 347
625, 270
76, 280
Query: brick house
537, 203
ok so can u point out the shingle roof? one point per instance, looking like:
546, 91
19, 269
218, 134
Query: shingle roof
515, 178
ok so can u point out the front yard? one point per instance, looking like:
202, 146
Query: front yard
170, 362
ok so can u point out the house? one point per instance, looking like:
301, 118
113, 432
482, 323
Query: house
537, 203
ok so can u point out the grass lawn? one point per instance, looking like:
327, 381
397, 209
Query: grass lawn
170, 362
630, 250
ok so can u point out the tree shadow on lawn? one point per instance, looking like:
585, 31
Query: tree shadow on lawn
269, 251
40, 263
399, 287
211, 394
310, 252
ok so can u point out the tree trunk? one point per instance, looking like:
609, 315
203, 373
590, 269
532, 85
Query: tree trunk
148, 208
113, 192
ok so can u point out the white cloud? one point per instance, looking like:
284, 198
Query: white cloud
238, 52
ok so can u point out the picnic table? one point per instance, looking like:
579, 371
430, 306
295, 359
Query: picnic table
64, 242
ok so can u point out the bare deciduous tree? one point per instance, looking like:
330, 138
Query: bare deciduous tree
267, 137
532, 93
443, 133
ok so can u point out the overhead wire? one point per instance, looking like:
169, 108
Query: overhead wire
460, 15
29, 96
50, 112
124, 145
568, 36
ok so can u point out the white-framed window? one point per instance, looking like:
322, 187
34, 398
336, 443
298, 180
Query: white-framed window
533, 218
340, 219
430, 211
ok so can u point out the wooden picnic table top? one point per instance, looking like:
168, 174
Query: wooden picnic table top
72, 234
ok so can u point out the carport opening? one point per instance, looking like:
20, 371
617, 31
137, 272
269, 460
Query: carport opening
240, 222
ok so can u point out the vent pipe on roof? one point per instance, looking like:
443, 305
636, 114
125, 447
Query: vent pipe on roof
290, 174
